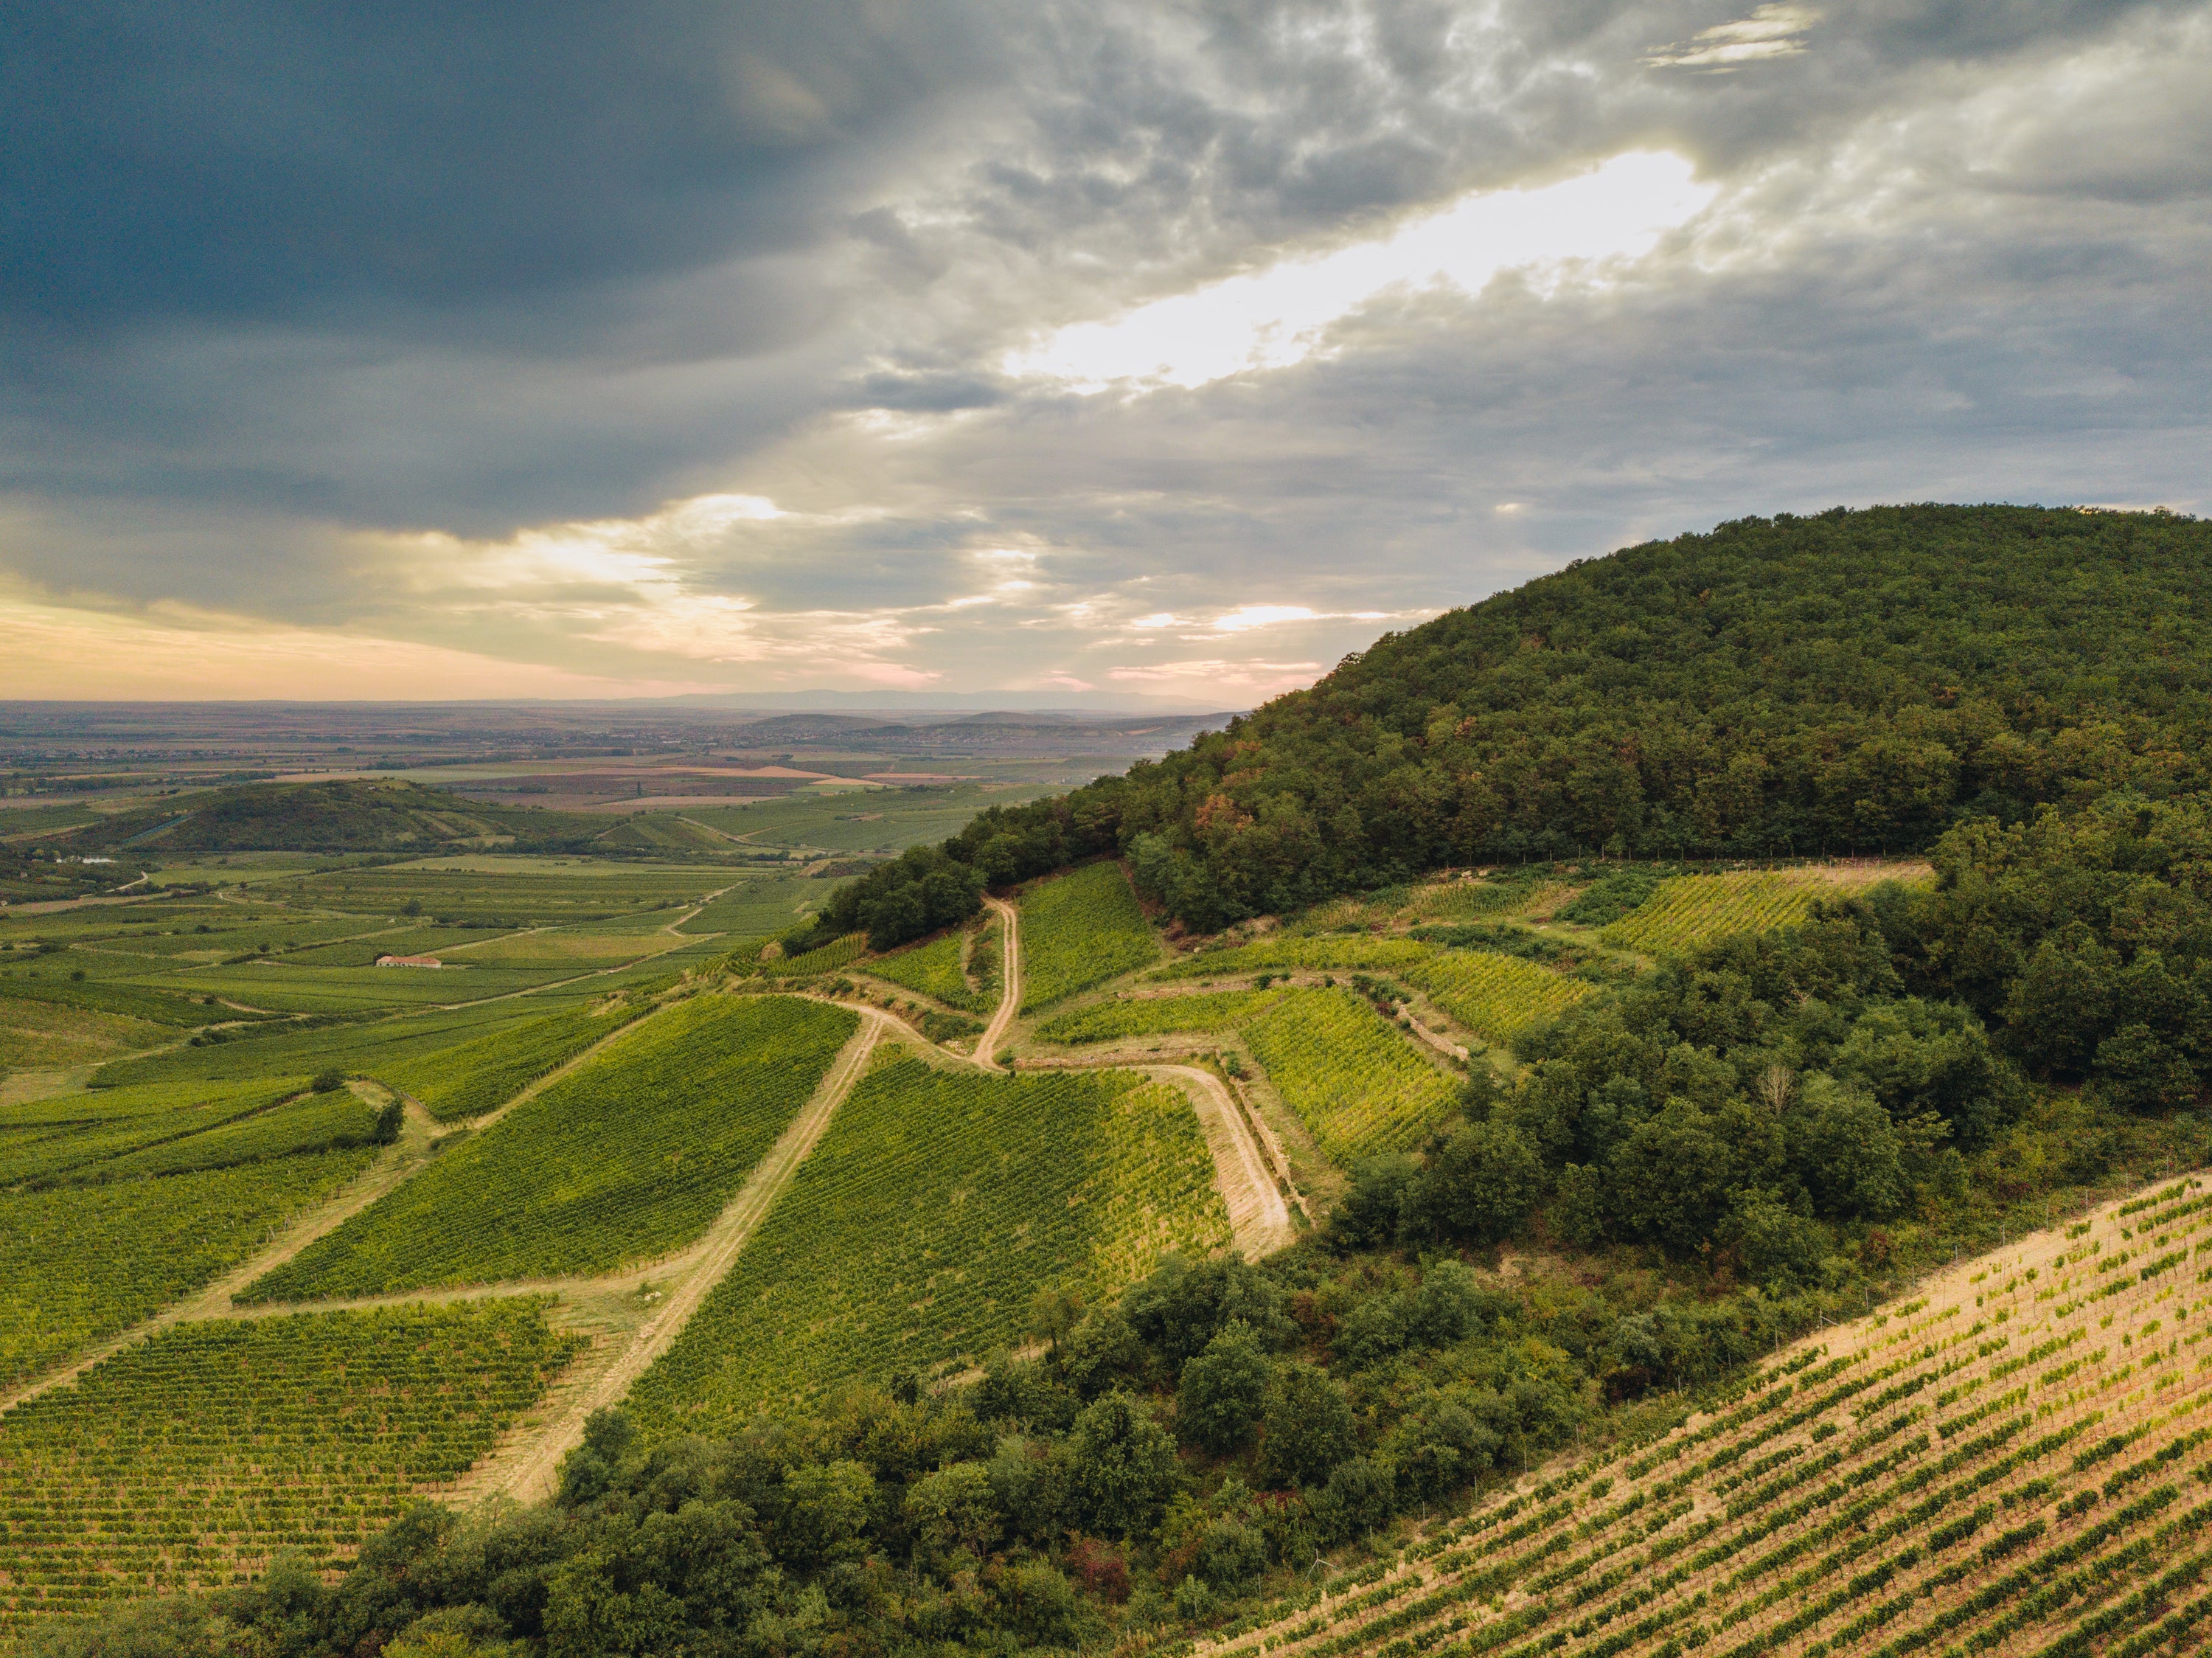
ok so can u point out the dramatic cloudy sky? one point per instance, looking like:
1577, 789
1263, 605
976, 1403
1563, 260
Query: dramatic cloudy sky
1165, 349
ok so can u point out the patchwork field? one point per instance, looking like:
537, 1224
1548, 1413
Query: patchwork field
1079, 931
201, 1453
915, 1235
626, 1158
50, 1036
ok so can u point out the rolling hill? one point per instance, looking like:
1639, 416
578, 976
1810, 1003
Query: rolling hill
378, 815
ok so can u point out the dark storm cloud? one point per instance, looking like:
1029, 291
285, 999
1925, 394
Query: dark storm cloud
236, 160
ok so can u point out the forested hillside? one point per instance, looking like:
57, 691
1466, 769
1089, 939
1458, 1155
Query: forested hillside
1854, 682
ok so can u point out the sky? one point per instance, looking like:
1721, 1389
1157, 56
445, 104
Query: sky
1134, 355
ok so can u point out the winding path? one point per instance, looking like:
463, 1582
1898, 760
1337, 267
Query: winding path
1010, 1002
1259, 1219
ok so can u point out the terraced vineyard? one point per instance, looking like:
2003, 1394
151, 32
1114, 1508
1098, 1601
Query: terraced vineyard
466, 1081
203, 1451
1497, 996
1692, 910
1079, 931
841, 953
1349, 952
935, 1205
934, 970
626, 1158
1151, 1016
2015, 1460
1356, 1084
78, 1264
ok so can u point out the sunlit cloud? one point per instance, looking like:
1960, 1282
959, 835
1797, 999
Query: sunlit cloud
1772, 31
1279, 316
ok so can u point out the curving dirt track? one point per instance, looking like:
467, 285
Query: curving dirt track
1259, 1219
986, 1045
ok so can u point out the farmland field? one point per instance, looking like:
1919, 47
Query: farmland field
935, 1205
1497, 996
759, 906
77, 1263
628, 1157
466, 1081
882, 819
1151, 1015
128, 1133
1079, 931
209, 1448
47, 1035
1350, 951
933, 970
2017, 1460
282, 1048
1356, 1084
563, 949
1692, 910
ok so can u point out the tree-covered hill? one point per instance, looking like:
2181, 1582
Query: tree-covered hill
378, 815
1851, 682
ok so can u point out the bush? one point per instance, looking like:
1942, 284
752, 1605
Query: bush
1217, 1402
1122, 1466
1307, 1427
1480, 1187
328, 1080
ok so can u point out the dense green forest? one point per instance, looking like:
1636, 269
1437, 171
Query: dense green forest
1854, 682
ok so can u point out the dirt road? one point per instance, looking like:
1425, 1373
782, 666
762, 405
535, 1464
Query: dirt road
526, 1467
987, 1046
1259, 1219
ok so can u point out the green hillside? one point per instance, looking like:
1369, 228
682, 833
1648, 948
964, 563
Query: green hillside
377, 815
1856, 682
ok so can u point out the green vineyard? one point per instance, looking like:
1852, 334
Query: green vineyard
1692, 910
51, 1139
78, 1264
1079, 931
841, 953
1347, 953
626, 1158
1359, 1086
2015, 1461
934, 970
456, 1083
205, 1450
1152, 1015
1497, 997
933, 1207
